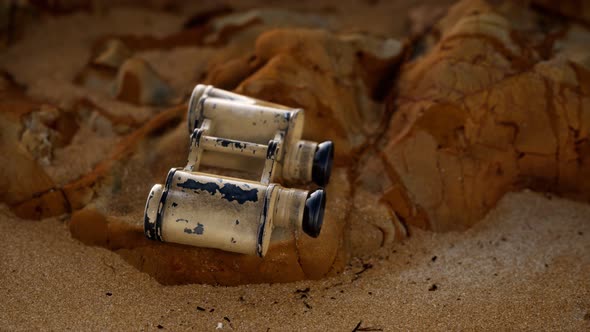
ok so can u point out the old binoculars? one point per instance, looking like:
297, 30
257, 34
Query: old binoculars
235, 132
251, 131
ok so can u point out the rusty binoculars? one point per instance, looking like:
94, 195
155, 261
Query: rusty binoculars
235, 132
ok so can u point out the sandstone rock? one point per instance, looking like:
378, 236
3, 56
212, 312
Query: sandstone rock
23, 176
14, 15
578, 9
138, 83
487, 109
112, 217
116, 72
45, 129
106, 174
330, 69
375, 220
115, 209
227, 35
235, 31
41, 141
113, 54
5, 21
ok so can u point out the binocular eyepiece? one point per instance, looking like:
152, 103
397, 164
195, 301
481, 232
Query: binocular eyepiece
313, 214
322, 163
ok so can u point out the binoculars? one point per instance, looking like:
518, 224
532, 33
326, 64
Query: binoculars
234, 132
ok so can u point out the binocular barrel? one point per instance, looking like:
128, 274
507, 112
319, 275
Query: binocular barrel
202, 92
226, 213
242, 126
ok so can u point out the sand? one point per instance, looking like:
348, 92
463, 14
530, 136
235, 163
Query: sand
525, 266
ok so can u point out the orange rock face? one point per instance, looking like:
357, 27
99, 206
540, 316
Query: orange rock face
496, 104
323, 74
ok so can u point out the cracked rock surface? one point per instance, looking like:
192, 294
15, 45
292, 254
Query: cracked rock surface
432, 125
492, 104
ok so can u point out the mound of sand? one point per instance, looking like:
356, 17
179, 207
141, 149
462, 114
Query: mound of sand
525, 266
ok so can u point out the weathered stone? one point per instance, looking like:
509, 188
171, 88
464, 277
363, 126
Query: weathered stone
33, 134
130, 79
45, 129
23, 176
138, 83
209, 30
113, 69
336, 95
488, 109
14, 15
112, 54
43, 205
578, 9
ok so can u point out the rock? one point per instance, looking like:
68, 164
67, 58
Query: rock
138, 83
578, 9
14, 15
23, 176
239, 31
129, 79
45, 129
330, 68
106, 174
488, 109
113, 54
373, 222
115, 71
229, 35
43, 143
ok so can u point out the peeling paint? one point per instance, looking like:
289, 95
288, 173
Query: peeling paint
199, 230
227, 142
272, 148
228, 191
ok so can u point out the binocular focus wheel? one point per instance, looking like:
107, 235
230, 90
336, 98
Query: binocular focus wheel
313, 215
322, 163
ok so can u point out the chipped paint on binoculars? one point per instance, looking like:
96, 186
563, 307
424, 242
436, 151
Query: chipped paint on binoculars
227, 213
235, 132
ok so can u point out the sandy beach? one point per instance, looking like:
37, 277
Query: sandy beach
524, 267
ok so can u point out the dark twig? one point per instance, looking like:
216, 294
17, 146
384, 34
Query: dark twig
358, 328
